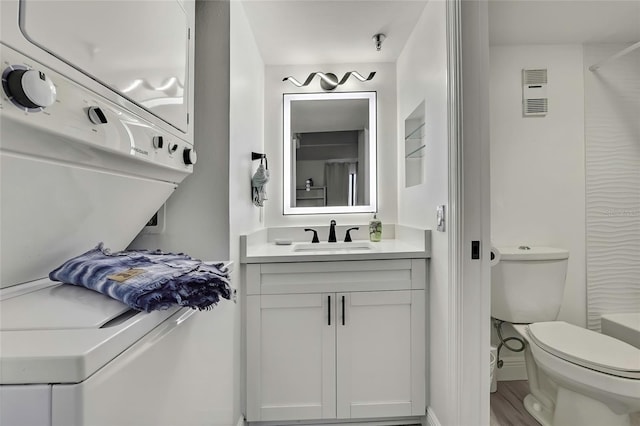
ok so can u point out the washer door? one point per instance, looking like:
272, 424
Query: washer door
139, 49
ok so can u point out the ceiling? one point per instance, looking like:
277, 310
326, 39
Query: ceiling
563, 21
330, 32
301, 32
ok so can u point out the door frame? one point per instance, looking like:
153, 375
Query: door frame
469, 215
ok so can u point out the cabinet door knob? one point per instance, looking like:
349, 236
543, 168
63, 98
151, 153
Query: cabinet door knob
342, 310
329, 309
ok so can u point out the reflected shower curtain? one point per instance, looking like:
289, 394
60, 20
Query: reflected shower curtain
336, 178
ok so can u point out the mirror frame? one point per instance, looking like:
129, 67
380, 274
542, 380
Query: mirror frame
287, 138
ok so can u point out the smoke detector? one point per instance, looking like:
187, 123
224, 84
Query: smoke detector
534, 92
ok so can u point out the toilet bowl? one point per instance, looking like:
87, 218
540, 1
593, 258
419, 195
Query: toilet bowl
576, 376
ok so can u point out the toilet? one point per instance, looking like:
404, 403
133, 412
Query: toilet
576, 376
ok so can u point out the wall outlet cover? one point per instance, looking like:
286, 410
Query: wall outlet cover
156, 224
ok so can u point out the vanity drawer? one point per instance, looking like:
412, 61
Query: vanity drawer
317, 277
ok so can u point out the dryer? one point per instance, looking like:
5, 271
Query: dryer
95, 136
138, 54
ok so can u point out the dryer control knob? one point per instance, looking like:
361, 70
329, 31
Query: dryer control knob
31, 88
158, 142
189, 155
96, 116
172, 147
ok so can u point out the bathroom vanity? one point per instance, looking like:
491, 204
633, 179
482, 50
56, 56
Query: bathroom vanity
337, 332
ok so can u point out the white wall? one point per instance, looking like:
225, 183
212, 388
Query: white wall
245, 135
538, 163
422, 76
384, 83
246, 126
197, 220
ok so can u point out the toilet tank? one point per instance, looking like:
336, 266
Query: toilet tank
527, 283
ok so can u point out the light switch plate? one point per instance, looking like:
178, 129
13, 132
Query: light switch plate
440, 218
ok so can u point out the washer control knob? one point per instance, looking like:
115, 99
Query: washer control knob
31, 88
96, 116
158, 142
173, 147
189, 155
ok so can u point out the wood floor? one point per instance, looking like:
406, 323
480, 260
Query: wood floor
507, 408
506, 405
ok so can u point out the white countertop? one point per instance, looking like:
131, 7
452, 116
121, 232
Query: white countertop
260, 247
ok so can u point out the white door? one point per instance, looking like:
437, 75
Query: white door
291, 357
376, 332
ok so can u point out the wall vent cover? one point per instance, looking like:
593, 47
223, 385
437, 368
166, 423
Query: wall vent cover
534, 92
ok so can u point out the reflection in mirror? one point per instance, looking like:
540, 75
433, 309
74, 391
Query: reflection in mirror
329, 150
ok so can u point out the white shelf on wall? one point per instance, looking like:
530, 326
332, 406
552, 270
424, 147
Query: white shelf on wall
416, 134
414, 146
416, 153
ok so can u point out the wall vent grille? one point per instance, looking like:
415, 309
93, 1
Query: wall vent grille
536, 106
534, 92
535, 76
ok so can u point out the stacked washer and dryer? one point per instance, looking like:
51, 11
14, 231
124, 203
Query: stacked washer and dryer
95, 136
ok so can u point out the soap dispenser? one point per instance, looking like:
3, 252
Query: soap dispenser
375, 229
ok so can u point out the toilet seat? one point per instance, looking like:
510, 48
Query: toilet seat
586, 348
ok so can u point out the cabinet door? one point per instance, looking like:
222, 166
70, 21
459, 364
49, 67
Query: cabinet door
380, 367
291, 357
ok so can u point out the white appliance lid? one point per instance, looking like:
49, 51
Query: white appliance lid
587, 348
59, 306
525, 252
58, 333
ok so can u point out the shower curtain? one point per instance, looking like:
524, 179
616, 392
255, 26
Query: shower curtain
612, 151
336, 178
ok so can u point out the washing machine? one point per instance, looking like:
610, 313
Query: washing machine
95, 135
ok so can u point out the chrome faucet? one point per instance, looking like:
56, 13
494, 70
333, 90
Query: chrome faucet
332, 232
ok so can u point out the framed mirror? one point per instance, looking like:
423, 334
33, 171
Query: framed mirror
329, 153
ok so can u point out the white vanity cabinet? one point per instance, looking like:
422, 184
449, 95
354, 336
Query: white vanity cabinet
335, 340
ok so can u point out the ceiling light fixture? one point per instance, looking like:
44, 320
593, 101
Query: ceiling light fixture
378, 39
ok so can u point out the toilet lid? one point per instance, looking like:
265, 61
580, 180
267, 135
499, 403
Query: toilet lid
587, 348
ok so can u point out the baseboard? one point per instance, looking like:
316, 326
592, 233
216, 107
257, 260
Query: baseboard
432, 420
513, 368
405, 421
240, 421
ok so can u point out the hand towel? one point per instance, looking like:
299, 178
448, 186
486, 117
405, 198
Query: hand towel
259, 186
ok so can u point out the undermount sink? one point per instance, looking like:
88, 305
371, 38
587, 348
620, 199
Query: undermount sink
357, 245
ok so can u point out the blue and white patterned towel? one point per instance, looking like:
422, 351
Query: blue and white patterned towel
148, 280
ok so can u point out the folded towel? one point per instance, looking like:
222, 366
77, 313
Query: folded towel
259, 185
148, 280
